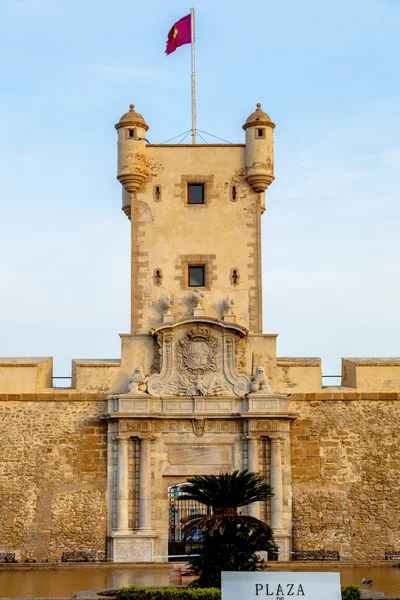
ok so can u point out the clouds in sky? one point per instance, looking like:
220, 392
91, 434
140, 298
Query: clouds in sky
327, 74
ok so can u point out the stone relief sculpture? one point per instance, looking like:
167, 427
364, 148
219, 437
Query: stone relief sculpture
196, 386
259, 382
198, 352
198, 363
138, 382
199, 426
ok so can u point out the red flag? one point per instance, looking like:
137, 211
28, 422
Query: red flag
181, 33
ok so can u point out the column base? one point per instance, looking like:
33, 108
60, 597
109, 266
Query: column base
133, 546
284, 542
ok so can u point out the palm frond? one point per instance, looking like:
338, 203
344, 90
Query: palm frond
221, 523
239, 488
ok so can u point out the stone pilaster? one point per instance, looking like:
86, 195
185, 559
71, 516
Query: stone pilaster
145, 484
133, 545
252, 464
123, 485
276, 483
281, 535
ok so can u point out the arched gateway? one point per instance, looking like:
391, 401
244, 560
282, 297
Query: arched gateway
197, 417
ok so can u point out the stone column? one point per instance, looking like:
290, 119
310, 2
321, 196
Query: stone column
145, 484
276, 483
252, 464
123, 485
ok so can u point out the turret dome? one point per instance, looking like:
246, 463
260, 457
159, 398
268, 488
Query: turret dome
258, 117
133, 119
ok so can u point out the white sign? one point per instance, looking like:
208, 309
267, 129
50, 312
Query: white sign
280, 585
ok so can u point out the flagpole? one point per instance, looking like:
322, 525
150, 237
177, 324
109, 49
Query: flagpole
193, 80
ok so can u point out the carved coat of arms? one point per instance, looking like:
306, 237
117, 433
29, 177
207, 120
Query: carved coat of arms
197, 352
197, 363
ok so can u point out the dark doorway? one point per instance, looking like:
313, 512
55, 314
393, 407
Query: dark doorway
180, 544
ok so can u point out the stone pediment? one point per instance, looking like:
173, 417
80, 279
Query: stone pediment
198, 358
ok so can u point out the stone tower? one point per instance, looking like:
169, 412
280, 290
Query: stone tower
195, 212
202, 397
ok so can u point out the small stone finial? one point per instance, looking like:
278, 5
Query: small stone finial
227, 314
197, 296
258, 105
132, 107
228, 303
168, 317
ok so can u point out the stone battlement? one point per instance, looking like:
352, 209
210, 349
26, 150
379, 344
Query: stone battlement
29, 375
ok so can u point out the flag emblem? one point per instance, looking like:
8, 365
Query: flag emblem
179, 34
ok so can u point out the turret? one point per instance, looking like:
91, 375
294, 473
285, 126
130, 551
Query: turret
259, 150
132, 159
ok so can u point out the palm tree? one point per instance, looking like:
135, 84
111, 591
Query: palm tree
231, 540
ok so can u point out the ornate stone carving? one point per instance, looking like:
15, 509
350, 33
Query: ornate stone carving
199, 426
199, 386
201, 362
197, 352
157, 382
259, 382
240, 382
138, 381
265, 425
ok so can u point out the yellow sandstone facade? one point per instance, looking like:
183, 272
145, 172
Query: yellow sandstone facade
199, 388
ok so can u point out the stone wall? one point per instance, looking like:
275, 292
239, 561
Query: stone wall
53, 473
345, 472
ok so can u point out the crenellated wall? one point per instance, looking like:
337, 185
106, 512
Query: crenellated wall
286, 375
345, 456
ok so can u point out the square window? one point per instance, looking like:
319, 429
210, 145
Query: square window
260, 133
197, 276
131, 133
196, 193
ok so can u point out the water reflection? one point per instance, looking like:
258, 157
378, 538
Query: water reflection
65, 581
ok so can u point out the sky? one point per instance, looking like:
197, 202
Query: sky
326, 72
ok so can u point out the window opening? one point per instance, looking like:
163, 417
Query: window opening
260, 133
196, 193
197, 276
234, 193
158, 192
235, 276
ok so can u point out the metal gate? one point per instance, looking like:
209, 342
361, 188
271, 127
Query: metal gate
179, 543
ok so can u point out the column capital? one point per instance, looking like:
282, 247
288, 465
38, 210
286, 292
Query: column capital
146, 437
279, 437
121, 437
252, 437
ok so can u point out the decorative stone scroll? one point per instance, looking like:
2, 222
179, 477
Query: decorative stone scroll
200, 361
